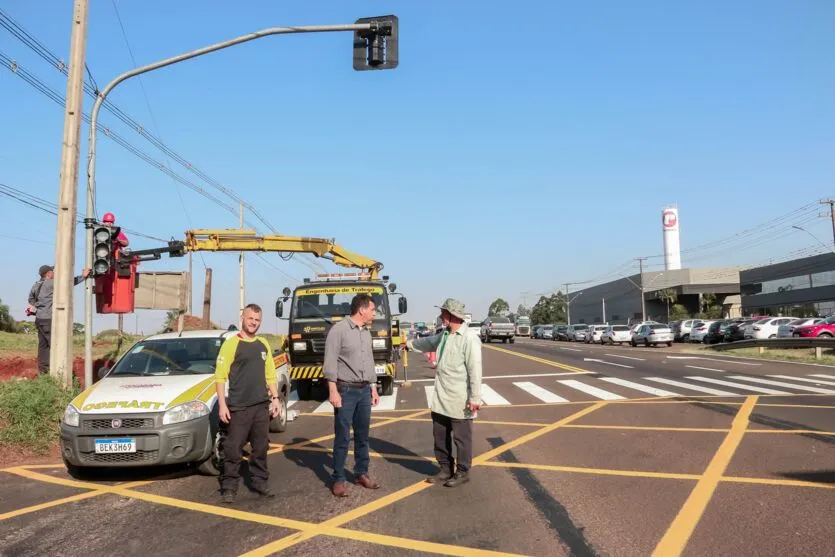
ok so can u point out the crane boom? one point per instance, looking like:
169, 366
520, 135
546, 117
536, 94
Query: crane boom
247, 240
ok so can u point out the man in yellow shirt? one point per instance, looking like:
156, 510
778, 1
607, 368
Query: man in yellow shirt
245, 362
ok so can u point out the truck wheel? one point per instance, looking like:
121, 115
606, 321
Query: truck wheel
387, 386
512, 340
279, 423
304, 388
504, 341
214, 464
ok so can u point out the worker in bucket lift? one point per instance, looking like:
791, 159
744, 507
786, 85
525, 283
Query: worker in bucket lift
120, 241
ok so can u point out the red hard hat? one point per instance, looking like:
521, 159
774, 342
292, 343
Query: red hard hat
108, 217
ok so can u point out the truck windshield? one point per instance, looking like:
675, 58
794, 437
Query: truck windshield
523, 320
175, 356
316, 303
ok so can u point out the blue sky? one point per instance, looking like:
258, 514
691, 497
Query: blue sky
517, 147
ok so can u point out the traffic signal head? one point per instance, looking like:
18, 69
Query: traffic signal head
102, 250
376, 48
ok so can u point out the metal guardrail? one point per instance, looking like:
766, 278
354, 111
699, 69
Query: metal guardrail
795, 342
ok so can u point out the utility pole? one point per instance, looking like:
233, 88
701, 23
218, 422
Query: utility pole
567, 305
60, 356
241, 261
643, 301
603, 300
831, 203
207, 300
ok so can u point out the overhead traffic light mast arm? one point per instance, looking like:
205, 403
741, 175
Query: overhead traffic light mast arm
248, 240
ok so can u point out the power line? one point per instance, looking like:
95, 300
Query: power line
33, 43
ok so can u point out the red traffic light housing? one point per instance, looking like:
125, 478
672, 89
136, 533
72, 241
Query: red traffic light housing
377, 48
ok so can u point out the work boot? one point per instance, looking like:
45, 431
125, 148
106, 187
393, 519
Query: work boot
440, 476
227, 497
458, 479
263, 491
366, 482
340, 489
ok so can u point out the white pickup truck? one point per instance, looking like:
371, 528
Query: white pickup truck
496, 327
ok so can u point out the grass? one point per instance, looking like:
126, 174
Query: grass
103, 343
785, 354
31, 411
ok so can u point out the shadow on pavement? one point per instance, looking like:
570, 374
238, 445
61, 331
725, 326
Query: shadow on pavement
820, 476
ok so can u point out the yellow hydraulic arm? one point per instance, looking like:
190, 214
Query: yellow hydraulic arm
246, 240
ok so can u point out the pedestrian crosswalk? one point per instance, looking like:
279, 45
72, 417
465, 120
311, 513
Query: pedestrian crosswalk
553, 390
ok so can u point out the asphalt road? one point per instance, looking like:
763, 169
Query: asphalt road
580, 450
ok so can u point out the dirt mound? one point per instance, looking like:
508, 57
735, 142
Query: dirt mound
18, 367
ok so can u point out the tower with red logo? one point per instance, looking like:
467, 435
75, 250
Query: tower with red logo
672, 243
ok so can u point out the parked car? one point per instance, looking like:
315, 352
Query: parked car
681, 331
825, 329
788, 330
560, 332
767, 328
595, 332
547, 332
535, 331
616, 333
717, 331
495, 327
699, 329
653, 335
576, 333
736, 331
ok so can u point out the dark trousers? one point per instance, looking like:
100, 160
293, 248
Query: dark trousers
444, 429
356, 412
44, 327
247, 424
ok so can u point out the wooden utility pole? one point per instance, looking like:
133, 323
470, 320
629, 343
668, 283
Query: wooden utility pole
60, 357
207, 300
831, 203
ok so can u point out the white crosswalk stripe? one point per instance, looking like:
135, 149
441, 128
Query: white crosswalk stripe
490, 397
697, 388
611, 388
818, 381
739, 386
638, 386
784, 384
542, 394
590, 390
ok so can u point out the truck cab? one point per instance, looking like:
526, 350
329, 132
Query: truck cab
317, 305
523, 326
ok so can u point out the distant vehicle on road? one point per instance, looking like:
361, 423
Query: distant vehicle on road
497, 327
653, 335
576, 333
523, 326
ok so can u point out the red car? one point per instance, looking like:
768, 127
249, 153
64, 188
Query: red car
825, 329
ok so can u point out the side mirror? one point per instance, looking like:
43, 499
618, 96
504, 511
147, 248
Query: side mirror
103, 371
279, 308
402, 305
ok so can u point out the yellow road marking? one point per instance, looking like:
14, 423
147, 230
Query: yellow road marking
489, 422
56, 502
417, 545
797, 405
484, 457
594, 471
774, 481
392, 456
649, 428
540, 360
679, 532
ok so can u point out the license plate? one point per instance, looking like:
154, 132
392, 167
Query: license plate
125, 445
380, 370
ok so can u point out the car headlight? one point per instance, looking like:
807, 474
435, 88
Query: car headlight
378, 344
299, 346
185, 412
71, 416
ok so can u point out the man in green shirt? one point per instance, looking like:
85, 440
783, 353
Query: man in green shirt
457, 395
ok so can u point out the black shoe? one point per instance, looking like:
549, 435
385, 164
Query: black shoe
227, 497
458, 479
263, 491
440, 476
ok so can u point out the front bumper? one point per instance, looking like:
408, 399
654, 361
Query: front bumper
315, 372
500, 333
660, 338
156, 444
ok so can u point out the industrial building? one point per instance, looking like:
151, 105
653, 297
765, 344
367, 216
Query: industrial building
799, 287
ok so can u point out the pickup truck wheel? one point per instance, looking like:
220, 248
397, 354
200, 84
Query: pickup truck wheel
512, 340
634, 344
387, 384
279, 423
214, 464
669, 344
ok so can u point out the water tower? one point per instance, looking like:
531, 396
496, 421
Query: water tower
672, 244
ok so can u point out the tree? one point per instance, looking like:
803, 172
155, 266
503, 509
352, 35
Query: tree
549, 310
78, 328
670, 296
498, 307
678, 311
7, 322
523, 311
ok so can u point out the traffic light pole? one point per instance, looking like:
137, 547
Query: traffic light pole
60, 354
373, 30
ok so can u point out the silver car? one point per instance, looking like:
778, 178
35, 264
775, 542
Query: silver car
576, 333
616, 333
653, 335
787, 329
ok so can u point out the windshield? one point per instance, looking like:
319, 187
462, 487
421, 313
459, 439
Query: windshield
580, 327
500, 320
659, 327
174, 356
620, 328
330, 301
523, 320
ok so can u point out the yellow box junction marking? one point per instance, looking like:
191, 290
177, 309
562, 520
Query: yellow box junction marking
679, 532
